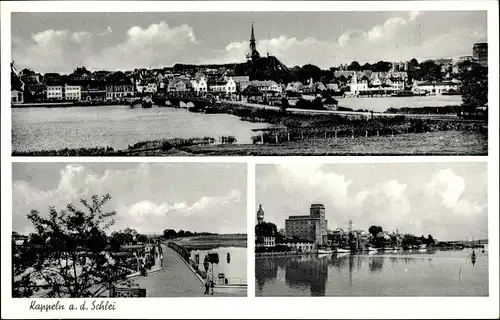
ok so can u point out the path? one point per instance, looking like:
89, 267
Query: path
174, 280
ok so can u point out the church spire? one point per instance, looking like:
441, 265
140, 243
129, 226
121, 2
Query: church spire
253, 54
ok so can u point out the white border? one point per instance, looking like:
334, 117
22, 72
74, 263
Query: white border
252, 307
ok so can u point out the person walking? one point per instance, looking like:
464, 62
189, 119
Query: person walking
207, 287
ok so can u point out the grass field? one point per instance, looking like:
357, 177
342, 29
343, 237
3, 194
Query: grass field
431, 143
213, 241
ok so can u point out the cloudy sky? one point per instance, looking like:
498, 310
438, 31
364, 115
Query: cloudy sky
59, 42
448, 201
147, 197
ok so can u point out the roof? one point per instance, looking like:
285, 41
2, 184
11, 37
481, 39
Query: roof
251, 90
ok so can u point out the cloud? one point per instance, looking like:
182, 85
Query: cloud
418, 201
448, 187
160, 44
147, 216
155, 46
137, 196
52, 50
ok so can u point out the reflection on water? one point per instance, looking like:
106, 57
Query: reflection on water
431, 273
117, 126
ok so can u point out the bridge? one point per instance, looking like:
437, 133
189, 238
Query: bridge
200, 102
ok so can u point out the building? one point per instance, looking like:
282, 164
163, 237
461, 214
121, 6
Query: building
435, 88
200, 85
253, 54
265, 233
180, 85
356, 86
55, 91
480, 53
16, 96
228, 87
260, 215
300, 245
72, 92
267, 86
312, 227
119, 91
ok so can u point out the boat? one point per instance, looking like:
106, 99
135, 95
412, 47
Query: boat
372, 249
422, 248
147, 102
324, 251
135, 104
341, 250
403, 94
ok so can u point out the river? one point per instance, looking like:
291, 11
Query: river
433, 273
381, 104
234, 269
117, 126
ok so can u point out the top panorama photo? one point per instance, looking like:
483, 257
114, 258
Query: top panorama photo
249, 83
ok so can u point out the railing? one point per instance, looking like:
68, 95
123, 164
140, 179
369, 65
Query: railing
183, 252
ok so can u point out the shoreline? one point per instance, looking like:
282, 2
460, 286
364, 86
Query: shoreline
424, 144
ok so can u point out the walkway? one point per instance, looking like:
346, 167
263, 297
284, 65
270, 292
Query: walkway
175, 280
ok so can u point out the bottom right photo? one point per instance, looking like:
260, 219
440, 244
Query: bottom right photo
406, 229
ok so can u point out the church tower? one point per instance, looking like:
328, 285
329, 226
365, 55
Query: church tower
253, 54
260, 215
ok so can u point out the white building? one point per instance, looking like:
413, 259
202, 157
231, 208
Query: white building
55, 92
267, 86
200, 86
357, 86
72, 92
435, 88
269, 241
301, 245
228, 87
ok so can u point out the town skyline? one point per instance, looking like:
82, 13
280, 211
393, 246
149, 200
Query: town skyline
148, 197
60, 42
448, 201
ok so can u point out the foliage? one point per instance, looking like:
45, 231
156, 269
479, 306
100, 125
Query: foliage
68, 252
474, 87
428, 71
374, 230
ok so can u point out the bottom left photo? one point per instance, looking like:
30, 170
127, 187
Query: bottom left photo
129, 230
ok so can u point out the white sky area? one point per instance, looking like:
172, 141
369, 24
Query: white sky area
448, 201
60, 42
147, 197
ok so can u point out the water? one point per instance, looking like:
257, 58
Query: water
381, 104
235, 270
117, 126
433, 273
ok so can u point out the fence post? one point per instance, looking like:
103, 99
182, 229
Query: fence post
366, 133
288, 136
276, 136
378, 133
262, 137
352, 130
335, 134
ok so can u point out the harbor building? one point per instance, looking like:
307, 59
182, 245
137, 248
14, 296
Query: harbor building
480, 53
312, 227
265, 233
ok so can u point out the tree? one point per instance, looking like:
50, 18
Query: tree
374, 230
413, 64
69, 252
354, 66
169, 233
430, 240
474, 87
366, 66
